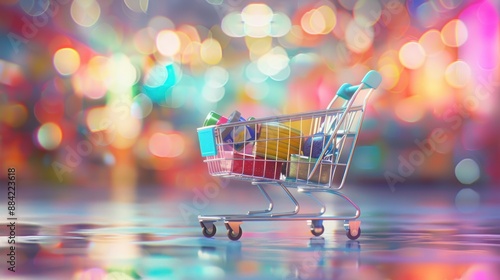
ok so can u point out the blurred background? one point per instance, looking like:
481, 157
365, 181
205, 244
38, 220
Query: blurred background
109, 94
100, 102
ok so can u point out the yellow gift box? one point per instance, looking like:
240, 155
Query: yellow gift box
277, 141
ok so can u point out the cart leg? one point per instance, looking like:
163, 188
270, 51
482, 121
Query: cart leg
322, 209
335, 192
266, 195
294, 201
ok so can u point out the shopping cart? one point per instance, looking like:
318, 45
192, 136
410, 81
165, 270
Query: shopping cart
308, 151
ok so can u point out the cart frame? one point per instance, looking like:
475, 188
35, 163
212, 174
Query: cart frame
337, 129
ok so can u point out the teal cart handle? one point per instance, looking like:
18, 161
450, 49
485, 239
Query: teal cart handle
372, 80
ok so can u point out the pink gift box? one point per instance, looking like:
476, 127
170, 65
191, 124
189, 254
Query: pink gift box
251, 165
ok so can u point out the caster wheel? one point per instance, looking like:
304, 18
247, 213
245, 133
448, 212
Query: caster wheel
209, 232
317, 231
353, 237
233, 236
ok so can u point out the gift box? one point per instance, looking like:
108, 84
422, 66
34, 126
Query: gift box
301, 166
255, 166
277, 141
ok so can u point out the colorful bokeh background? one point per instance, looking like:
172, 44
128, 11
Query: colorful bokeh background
109, 93
100, 101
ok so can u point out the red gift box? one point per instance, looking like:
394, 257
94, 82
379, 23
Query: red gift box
255, 166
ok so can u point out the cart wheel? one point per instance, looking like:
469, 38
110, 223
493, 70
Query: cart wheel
353, 237
233, 236
317, 231
209, 232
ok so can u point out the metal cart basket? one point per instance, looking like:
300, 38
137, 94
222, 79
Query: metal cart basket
309, 151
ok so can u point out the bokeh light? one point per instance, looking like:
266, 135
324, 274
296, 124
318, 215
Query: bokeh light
166, 145
14, 115
435, 89
184, 41
211, 51
124, 124
138, 6
273, 62
157, 76
213, 94
367, 12
280, 25
253, 73
49, 136
257, 21
458, 74
359, 38
467, 200
467, 171
168, 43
121, 73
34, 7
257, 15
454, 33
258, 46
410, 109
92, 79
282, 75
431, 42
85, 12
121, 142
233, 25
66, 61
97, 119
319, 21
412, 55
216, 77
427, 14
450, 4
391, 74
141, 107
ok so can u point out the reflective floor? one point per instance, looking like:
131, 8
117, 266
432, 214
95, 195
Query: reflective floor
407, 234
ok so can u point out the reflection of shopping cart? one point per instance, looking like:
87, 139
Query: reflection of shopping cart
309, 151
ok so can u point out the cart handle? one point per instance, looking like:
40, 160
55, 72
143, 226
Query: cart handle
371, 80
